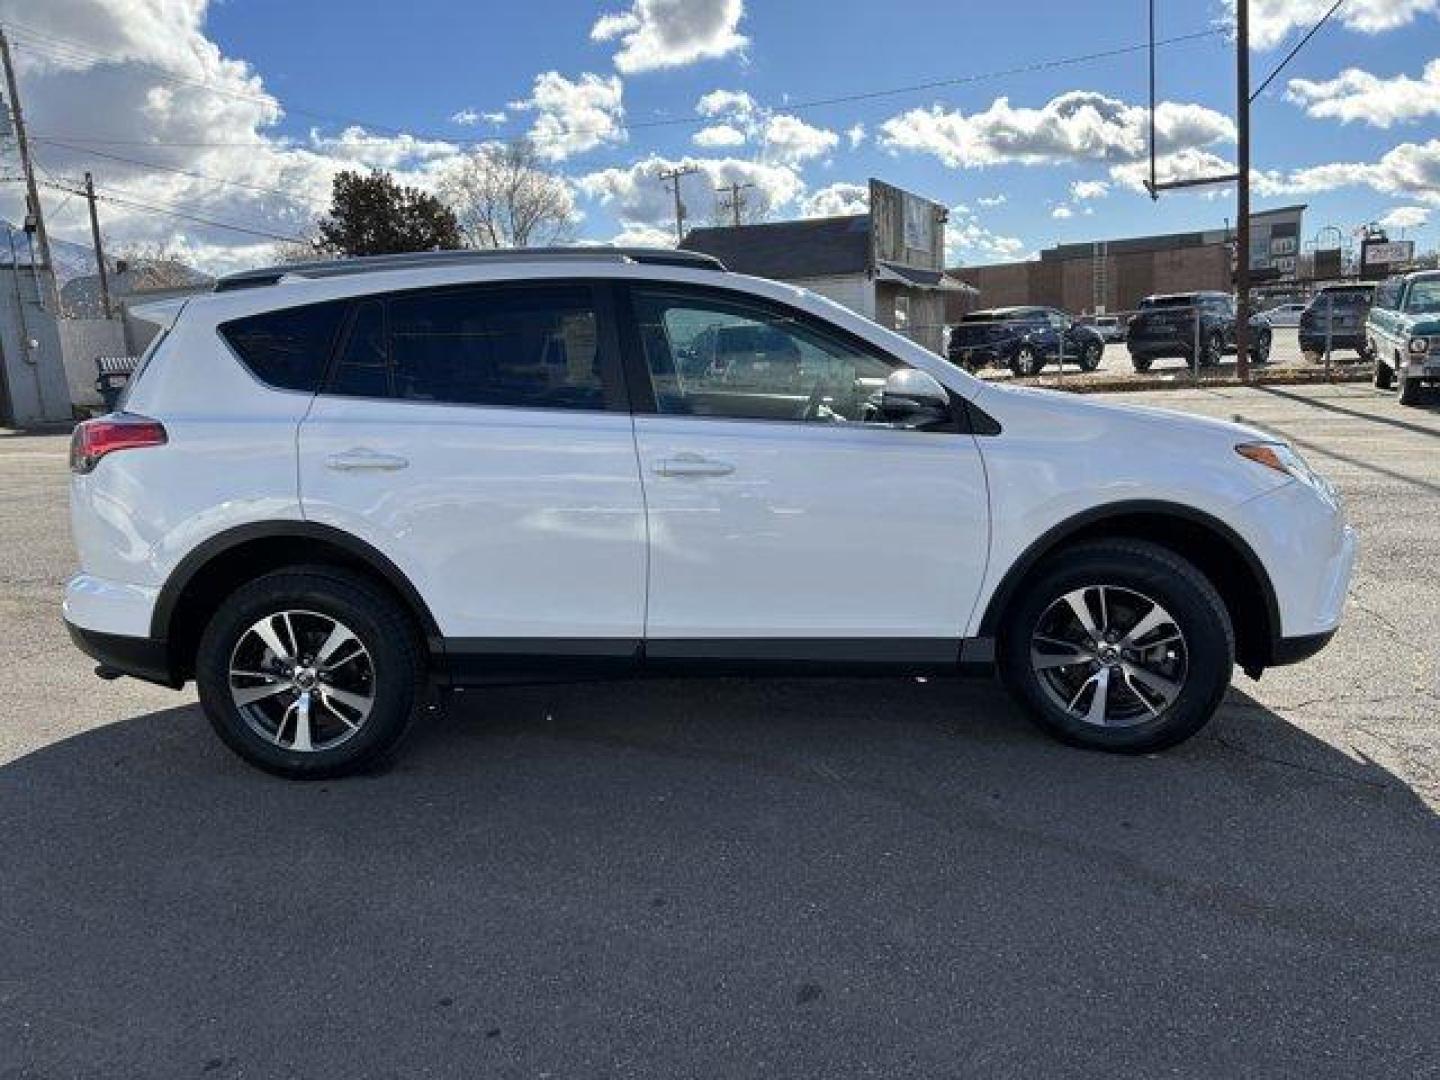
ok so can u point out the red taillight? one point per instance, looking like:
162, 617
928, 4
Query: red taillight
93, 439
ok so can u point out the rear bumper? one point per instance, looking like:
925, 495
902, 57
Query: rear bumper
142, 658
1311, 342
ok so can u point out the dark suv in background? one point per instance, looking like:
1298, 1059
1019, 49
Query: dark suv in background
1024, 339
1165, 326
1341, 310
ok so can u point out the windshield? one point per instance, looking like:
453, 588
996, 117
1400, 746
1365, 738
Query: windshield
1344, 297
1424, 297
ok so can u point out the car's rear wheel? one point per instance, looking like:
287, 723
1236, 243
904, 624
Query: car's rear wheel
310, 673
1090, 354
1118, 645
1142, 364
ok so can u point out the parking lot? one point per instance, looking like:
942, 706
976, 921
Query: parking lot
731, 877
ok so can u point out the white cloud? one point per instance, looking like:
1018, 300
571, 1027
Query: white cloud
1079, 125
855, 135
991, 200
361, 147
635, 234
718, 136
967, 240
1062, 212
636, 194
468, 117
671, 33
1081, 190
790, 139
1405, 217
837, 200
573, 116
732, 104
1185, 164
1410, 170
1358, 95
1272, 21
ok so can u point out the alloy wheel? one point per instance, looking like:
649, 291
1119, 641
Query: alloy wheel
302, 680
1109, 656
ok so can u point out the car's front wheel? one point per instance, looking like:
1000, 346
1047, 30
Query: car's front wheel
1026, 361
1118, 645
1141, 364
1384, 375
1090, 354
310, 673
1407, 388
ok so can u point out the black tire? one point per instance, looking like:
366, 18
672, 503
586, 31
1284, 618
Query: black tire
1384, 375
1142, 364
1212, 350
1128, 567
1407, 390
1026, 361
1090, 355
1366, 352
378, 623
1260, 353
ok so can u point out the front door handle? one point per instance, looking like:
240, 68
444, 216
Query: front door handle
692, 465
361, 458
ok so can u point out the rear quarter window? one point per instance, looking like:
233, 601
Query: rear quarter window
289, 348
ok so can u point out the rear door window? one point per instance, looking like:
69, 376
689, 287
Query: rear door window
505, 345
290, 348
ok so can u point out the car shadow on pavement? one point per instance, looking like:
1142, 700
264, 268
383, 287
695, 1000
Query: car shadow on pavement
721, 877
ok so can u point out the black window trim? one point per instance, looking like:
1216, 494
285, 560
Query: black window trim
607, 342
968, 419
245, 366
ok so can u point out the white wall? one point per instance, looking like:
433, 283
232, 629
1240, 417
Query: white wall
34, 375
854, 291
81, 341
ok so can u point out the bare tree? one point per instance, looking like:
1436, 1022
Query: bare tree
154, 266
505, 195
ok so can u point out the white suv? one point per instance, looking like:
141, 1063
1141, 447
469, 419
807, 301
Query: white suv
335, 487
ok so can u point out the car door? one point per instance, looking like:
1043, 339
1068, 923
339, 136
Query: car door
787, 519
479, 437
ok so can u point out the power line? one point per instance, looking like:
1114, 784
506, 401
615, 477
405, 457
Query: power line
91, 152
171, 211
1298, 46
80, 52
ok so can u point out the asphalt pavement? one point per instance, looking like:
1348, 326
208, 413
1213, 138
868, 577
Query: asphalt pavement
729, 877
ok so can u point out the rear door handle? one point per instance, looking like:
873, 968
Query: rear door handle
692, 465
360, 459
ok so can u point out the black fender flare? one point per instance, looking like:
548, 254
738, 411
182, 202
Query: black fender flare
1048, 541
203, 554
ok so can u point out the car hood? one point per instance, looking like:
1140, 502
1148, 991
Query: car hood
1142, 422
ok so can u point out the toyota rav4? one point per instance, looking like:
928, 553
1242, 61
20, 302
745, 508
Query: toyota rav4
332, 490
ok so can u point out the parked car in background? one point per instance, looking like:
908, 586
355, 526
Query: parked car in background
1166, 327
1024, 339
1335, 317
336, 489
1285, 315
1403, 333
1109, 327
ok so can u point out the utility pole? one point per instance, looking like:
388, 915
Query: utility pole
735, 201
99, 248
1242, 190
672, 177
32, 192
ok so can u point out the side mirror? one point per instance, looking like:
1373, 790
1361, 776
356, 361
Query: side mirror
914, 399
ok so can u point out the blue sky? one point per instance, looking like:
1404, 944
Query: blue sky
1027, 159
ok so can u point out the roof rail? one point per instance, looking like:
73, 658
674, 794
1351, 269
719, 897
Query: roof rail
367, 264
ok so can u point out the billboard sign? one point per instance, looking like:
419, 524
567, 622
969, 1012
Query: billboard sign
1380, 257
905, 229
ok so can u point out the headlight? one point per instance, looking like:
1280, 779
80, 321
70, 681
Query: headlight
1419, 345
1282, 458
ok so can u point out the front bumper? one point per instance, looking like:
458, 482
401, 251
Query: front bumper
142, 658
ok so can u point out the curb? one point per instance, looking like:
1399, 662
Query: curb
1184, 380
